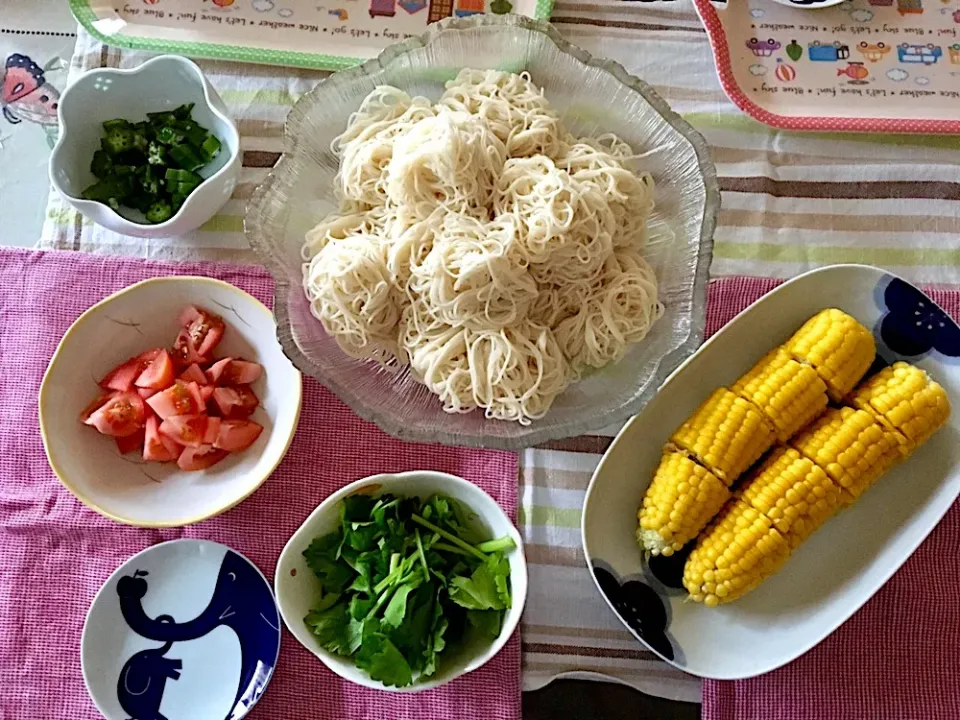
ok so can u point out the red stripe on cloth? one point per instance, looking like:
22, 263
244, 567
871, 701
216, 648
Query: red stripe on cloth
55, 553
897, 657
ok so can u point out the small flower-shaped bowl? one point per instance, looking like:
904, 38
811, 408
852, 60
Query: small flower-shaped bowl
160, 84
145, 315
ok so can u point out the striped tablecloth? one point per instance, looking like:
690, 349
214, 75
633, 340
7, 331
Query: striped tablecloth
790, 202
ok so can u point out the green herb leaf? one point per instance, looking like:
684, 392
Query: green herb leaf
397, 607
336, 631
382, 661
479, 591
321, 557
486, 621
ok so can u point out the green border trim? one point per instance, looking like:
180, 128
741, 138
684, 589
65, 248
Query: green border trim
85, 15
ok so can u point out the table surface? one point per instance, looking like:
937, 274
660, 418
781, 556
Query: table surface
791, 202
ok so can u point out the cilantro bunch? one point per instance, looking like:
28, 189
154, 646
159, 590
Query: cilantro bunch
404, 582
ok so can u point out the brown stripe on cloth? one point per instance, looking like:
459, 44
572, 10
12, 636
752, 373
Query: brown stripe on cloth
260, 158
876, 190
593, 444
627, 24
577, 632
656, 670
552, 555
554, 478
581, 651
844, 223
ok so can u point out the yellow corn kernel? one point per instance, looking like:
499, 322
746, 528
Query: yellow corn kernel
793, 492
788, 393
739, 550
839, 348
850, 447
682, 498
905, 401
726, 435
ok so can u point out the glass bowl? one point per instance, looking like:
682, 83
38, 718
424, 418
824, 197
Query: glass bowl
592, 96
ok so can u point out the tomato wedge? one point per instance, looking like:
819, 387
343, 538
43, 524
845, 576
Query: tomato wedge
159, 374
200, 458
213, 430
130, 443
157, 447
201, 333
237, 435
195, 374
122, 415
146, 392
235, 402
123, 376
98, 403
187, 430
181, 398
234, 372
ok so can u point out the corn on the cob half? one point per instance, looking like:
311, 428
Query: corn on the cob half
726, 435
736, 553
904, 399
839, 348
793, 492
682, 498
851, 447
788, 393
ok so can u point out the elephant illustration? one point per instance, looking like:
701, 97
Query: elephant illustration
144, 677
241, 601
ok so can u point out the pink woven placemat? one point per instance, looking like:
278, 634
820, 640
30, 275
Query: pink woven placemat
55, 553
895, 659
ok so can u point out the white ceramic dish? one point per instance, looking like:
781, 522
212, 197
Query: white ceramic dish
842, 565
125, 324
298, 589
162, 83
215, 617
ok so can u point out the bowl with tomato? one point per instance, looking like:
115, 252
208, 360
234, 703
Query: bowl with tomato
169, 402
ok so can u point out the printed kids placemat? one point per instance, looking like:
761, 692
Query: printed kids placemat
324, 34
842, 67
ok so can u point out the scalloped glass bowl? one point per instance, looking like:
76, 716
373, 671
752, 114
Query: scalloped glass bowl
593, 96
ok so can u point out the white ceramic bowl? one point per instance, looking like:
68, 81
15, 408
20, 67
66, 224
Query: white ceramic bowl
162, 83
297, 588
125, 324
846, 561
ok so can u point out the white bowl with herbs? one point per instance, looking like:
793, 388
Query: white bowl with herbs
403, 582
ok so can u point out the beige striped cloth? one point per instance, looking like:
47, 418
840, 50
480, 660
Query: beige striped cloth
791, 202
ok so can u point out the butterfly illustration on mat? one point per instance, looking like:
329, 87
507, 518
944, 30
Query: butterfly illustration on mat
27, 95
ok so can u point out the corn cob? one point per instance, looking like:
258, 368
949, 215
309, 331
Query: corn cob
850, 447
906, 402
788, 393
793, 492
726, 435
681, 500
736, 553
839, 348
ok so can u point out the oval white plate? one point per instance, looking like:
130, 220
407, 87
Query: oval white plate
188, 629
841, 566
137, 318
298, 588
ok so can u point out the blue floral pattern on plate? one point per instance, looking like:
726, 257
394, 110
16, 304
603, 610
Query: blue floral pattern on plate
914, 324
640, 607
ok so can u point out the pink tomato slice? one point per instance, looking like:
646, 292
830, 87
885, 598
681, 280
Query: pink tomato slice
234, 372
97, 403
122, 376
200, 458
235, 402
122, 415
213, 430
159, 374
237, 435
130, 443
194, 373
157, 447
181, 398
146, 392
204, 328
187, 430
